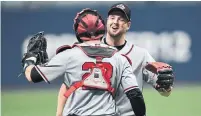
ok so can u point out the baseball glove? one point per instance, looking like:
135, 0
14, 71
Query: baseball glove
164, 73
36, 49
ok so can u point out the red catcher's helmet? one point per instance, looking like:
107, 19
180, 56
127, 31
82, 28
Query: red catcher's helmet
88, 25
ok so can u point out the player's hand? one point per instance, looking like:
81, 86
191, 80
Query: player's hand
165, 79
165, 76
36, 50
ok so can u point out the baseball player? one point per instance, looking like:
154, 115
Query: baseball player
118, 23
93, 71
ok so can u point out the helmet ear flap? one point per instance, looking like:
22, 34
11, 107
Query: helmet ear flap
78, 38
75, 26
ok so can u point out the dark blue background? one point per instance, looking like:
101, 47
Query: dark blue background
18, 23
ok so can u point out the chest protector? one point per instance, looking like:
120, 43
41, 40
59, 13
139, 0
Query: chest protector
100, 73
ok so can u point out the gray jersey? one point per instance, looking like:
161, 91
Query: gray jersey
71, 64
139, 58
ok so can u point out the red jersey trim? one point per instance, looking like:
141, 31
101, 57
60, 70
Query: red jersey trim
129, 60
62, 48
129, 88
130, 50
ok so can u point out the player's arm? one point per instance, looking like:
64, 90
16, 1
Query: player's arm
28, 73
48, 72
131, 89
61, 100
36, 55
162, 81
137, 101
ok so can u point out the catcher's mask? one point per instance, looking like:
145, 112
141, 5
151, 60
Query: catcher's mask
88, 25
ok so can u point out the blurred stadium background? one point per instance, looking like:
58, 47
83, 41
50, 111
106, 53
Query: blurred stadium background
171, 31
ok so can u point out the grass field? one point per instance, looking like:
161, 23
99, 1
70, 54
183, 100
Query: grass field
182, 102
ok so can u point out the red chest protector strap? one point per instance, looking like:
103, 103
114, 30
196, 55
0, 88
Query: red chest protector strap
79, 84
73, 88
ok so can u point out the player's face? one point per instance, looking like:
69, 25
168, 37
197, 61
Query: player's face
117, 24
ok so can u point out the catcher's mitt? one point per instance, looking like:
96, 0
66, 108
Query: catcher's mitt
164, 72
36, 48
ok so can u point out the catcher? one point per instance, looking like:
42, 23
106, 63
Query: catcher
159, 75
93, 71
